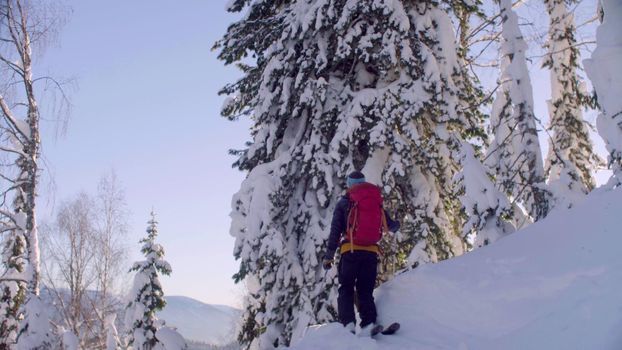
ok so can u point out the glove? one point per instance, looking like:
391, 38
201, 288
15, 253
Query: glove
327, 263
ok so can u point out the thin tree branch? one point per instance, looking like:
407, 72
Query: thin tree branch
587, 42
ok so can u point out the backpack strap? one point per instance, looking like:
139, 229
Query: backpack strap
383, 217
353, 216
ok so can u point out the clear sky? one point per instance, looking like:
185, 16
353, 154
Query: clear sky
146, 105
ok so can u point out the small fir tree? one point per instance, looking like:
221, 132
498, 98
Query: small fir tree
147, 296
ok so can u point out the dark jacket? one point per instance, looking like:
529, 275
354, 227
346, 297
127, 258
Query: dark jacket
340, 222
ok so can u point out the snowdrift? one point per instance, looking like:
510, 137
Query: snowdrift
555, 285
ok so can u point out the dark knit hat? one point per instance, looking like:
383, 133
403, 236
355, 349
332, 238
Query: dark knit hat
354, 178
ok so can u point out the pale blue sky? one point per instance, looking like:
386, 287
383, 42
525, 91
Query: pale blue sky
147, 106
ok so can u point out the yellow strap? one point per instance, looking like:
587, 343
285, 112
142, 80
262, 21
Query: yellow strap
349, 247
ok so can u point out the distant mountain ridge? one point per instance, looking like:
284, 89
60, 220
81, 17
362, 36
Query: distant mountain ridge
197, 321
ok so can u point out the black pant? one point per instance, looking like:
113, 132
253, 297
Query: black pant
357, 269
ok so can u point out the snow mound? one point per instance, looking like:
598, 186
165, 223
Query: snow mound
554, 285
169, 339
196, 321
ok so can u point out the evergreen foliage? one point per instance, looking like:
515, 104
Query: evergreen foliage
148, 297
35, 326
336, 86
514, 155
486, 208
13, 282
571, 157
603, 69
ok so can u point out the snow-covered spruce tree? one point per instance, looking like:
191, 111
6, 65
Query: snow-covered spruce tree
488, 210
35, 329
147, 296
571, 159
605, 72
464, 12
67, 340
514, 154
13, 284
338, 86
488, 213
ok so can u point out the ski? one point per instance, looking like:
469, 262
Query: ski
379, 329
394, 327
376, 330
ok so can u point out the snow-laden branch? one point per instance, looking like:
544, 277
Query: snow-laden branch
12, 120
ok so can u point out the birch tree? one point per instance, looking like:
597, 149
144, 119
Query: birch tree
84, 254
24, 27
69, 265
111, 229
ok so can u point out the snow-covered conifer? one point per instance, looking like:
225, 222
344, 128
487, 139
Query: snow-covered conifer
35, 327
571, 159
605, 71
337, 86
147, 296
13, 283
67, 340
486, 207
514, 154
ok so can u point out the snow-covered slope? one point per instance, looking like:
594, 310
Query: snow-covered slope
211, 324
555, 285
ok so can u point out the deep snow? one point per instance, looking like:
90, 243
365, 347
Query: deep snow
553, 285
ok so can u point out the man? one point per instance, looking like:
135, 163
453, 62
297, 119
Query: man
357, 226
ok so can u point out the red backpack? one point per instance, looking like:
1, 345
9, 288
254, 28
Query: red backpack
366, 220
